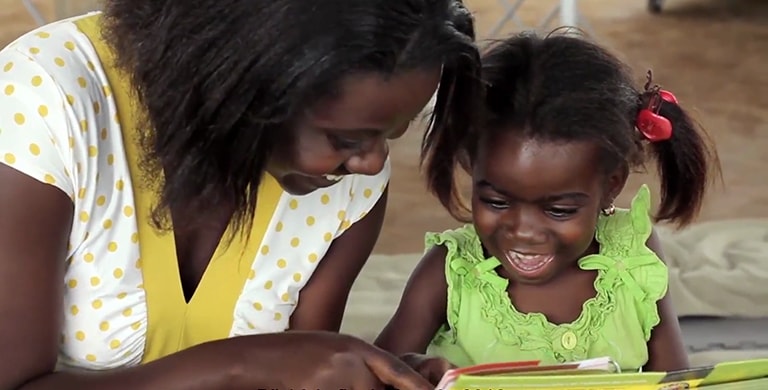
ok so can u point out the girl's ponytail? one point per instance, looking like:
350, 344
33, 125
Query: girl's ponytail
684, 159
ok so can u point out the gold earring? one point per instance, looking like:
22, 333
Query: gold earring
610, 210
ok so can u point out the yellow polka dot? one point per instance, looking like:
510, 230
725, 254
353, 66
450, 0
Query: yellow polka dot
135, 238
88, 258
293, 204
91, 66
282, 263
69, 45
341, 214
96, 107
59, 61
9, 158
110, 159
107, 224
72, 283
127, 312
80, 335
8, 67
107, 91
119, 184
265, 249
34, 149
127, 210
72, 144
310, 221
295, 242
37, 81
81, 193
90, 357
83, 125
93, 151
251, 274
70, 99
367, 193
112, 246
34, 50
122, 295
84, 217
95, 281
285, 297
328, 237
138, 263
117, 273
81, 82
19, 118
258, 306
279, 227
103, 135
48, 178
101, 200
278, 316
97, 304
325, 199
104, 326
345, 224
114, 344
9, 89
43, 111
43, 34
297, 277
74, 310
136, 325
268, 285
250, 325
312, 257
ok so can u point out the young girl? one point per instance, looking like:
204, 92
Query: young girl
550, 270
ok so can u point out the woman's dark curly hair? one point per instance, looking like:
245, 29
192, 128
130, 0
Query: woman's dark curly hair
218, 78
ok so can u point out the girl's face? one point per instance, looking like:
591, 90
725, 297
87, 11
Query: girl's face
348, 133
535, 203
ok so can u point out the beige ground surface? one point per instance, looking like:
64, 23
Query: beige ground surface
712, 53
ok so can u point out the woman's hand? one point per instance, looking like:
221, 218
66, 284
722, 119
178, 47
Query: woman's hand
431, 368
320, 360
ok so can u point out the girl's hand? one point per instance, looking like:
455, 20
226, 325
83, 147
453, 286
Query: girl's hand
430, 367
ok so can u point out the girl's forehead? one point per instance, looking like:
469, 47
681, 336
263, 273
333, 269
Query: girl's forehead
511, 160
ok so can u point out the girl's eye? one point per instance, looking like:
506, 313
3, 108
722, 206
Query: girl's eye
495, 203
561, 213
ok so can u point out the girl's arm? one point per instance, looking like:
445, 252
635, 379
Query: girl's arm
422, 307
666, 351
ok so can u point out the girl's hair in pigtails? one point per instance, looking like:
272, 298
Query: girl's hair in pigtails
685, 162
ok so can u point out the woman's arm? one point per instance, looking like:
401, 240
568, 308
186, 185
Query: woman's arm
422, 307
35, 220
323, 300
666, 351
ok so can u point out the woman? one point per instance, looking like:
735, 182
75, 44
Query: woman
204, 175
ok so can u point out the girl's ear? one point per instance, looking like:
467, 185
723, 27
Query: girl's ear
614, 183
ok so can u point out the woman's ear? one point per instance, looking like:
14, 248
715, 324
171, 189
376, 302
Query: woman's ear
614, 183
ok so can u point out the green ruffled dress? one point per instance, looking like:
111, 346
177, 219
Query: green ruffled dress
483, 325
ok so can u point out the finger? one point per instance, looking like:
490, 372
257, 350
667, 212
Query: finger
393, 371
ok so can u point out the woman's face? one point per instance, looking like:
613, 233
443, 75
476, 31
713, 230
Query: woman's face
348, 134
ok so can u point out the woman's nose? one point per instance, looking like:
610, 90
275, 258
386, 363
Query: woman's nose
371, 160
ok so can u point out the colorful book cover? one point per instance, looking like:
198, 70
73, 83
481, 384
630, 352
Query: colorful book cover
602, 374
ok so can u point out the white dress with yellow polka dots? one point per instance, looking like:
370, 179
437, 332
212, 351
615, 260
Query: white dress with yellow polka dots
60, 124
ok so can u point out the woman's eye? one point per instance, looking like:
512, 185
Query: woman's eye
561, 213
344, 143
495, 203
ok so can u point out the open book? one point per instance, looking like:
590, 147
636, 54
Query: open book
604, 374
